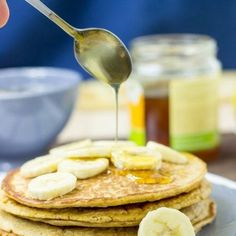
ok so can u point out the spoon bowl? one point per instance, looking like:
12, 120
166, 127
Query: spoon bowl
103, 55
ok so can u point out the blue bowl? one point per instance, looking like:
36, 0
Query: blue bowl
35, 104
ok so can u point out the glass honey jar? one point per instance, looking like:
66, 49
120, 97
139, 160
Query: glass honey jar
180, 78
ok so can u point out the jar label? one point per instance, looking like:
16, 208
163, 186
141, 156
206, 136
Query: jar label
194, 114
136, 110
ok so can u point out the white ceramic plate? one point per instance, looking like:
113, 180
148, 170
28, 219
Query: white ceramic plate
224, 193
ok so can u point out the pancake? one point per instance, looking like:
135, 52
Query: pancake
120, 216
19, 226
5, 233
112, 189
207, 220
196, 213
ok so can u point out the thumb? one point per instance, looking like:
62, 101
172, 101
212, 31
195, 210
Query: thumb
4, 13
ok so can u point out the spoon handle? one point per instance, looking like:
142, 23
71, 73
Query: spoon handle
52, 16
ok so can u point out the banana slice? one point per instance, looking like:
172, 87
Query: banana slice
49, 186
136, 158
41, 165
84, 169
165, 221
72, 146
167, 153
90, 152
87, 149
114, 144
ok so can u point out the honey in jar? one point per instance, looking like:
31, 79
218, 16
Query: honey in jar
180, 76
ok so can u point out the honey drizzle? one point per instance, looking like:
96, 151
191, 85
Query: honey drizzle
144, 176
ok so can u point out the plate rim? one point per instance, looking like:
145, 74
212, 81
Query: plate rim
220, 180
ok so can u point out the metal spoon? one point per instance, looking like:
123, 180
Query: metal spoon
98, 51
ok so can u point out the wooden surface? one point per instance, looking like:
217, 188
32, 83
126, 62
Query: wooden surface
225, 165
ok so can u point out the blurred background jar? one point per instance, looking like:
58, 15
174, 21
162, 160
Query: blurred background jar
180, 77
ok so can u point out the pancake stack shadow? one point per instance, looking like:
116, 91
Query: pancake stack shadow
108, 204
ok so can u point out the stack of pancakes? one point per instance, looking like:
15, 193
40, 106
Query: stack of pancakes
107, 204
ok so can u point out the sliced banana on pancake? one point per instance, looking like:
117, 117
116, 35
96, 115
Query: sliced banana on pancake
49, 186
165, 221
114, 144
89, 152
136, 158
84, 169
167, 153
41, 165
72, 146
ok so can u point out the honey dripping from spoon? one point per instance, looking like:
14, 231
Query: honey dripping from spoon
100, 52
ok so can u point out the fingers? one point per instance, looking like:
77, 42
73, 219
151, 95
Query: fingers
4, 13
